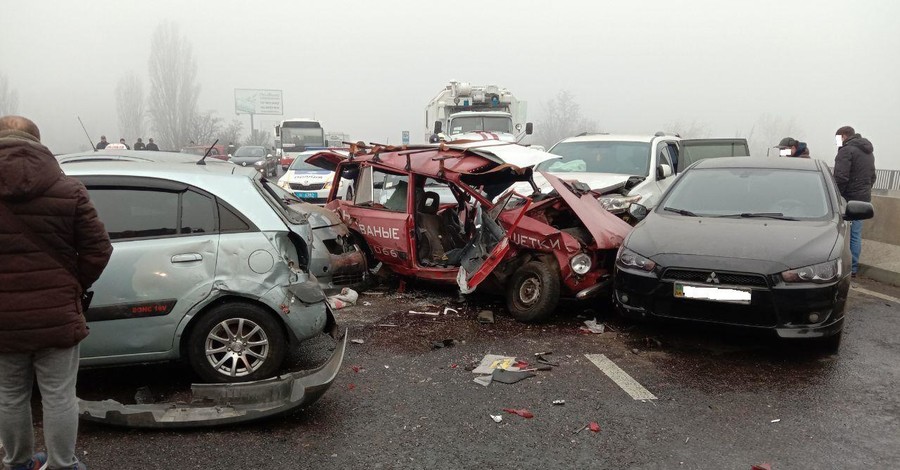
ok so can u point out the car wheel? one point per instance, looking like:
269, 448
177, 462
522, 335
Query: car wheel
236, 342
533, 292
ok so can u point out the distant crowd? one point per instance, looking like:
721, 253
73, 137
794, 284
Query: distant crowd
139, 145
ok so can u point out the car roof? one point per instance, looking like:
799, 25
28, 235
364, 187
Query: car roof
612, 138
173, 170
131, 155
481, 113
774, 163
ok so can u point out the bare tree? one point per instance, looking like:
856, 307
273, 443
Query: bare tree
205, 128
231, 134
561, 118
689, 130
259, 137
768, 131
9, 98
173, 86
130, 106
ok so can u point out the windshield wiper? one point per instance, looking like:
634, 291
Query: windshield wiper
766, 215
680, 211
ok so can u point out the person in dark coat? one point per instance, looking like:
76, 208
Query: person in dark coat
52, 248
854, 174
103, 143
151, 145
122, 141
791, 147
139, 145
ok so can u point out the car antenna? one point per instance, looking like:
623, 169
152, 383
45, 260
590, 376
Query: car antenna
202, 162
86, 133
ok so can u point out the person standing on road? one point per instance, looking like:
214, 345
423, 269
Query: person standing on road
103, 143
791, 147
52, 248
122, 141
139, 145
854, 174
151, 145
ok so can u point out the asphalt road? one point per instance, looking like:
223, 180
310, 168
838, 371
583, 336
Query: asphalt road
725, 399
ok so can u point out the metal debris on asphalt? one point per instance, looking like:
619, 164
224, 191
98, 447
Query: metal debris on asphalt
483, 380
486, 316
357, 341
591, 326
775, 421
510, 377
559, 402
497, 418
432, 314
580, 429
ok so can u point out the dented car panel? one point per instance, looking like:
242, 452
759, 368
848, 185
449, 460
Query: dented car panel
219, 404
435, 224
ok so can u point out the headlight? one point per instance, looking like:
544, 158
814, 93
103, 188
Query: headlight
630, 259
283, 184
617, 204
327, 185
580, 263
821, 273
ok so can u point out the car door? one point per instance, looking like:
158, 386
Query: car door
381, 213
165, 243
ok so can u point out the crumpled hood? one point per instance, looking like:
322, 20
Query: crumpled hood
27, 168
594, 180
861, 142
318, 217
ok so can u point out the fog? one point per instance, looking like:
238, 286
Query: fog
368, 68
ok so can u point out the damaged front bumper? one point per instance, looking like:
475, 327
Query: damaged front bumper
218, 404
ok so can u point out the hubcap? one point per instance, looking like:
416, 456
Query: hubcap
530, 291
237, 347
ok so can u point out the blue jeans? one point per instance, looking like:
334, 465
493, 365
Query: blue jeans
855, 243
56, 371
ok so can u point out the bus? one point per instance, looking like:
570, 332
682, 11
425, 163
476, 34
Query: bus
293, 136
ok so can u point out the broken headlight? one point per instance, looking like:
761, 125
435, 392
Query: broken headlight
632, 260
283, 184
821, 273
617, 204
580, 263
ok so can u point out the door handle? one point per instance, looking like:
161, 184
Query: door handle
187, 258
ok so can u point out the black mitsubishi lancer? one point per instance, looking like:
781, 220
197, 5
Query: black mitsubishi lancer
755, 242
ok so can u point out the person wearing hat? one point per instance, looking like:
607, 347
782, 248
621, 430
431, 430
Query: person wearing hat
791, 147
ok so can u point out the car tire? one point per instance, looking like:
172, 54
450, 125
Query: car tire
533, 292
216, 339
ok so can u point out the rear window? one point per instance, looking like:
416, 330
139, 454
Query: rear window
716, 192
696, 151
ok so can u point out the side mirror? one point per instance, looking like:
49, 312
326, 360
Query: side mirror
663, 171
438, 127
229, 155
859, 210
529, 128
638, 211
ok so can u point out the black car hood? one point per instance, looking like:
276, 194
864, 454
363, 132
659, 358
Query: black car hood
765, 246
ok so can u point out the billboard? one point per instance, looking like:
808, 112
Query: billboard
248, 101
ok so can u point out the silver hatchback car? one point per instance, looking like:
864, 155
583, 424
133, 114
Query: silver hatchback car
210, 264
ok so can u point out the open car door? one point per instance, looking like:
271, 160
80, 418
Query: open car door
326, 160
489, 245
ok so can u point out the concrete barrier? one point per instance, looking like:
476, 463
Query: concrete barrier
880, 258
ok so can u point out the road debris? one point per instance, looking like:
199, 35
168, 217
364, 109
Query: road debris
493, 361
591, 326
357, 341
346, 298
510, 377
447, 343
144, 396
486, 316
559, 402
762, 466
775, 420
543, 360
594, 427
521, 412
433, 314
483, 380
580, 429
497, 418
367, 304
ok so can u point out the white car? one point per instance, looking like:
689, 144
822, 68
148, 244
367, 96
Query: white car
307, 182
645, 165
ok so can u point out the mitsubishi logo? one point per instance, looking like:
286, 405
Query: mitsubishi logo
712, 279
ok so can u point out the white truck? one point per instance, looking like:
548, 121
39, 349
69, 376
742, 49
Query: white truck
461, 108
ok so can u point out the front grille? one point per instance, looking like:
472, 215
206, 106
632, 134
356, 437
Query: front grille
725, 278
307, 187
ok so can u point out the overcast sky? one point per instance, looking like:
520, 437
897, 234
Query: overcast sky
368, 68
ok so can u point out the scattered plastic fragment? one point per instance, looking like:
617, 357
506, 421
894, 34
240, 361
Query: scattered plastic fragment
594, 427
521, 412
367, 304
432, 314
357, 341
351, 386
447, 343
775, 421
591, 326
762, 466
493, 361
559, 402
521, 365
346, 298
486, 316
510, 377
356, 369
543, 360
497, 418
483, 380
450, 310
582, 428
387, 325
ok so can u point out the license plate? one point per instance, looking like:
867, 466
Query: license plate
731, 295
306, 195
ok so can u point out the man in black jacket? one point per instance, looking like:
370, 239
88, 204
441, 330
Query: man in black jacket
791, 147
854, 173
151, 145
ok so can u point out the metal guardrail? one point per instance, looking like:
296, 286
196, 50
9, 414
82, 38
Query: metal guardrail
887, 179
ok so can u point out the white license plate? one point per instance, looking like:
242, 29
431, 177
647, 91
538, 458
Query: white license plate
713, 294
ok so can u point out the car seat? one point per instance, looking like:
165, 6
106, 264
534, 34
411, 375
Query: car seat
428, 226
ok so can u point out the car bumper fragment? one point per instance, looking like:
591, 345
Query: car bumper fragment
220, 404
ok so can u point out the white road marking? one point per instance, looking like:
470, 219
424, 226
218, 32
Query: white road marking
875, 294
620, 377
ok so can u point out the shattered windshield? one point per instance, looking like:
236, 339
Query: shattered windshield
626, 158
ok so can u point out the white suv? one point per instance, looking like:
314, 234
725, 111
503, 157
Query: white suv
644, 164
